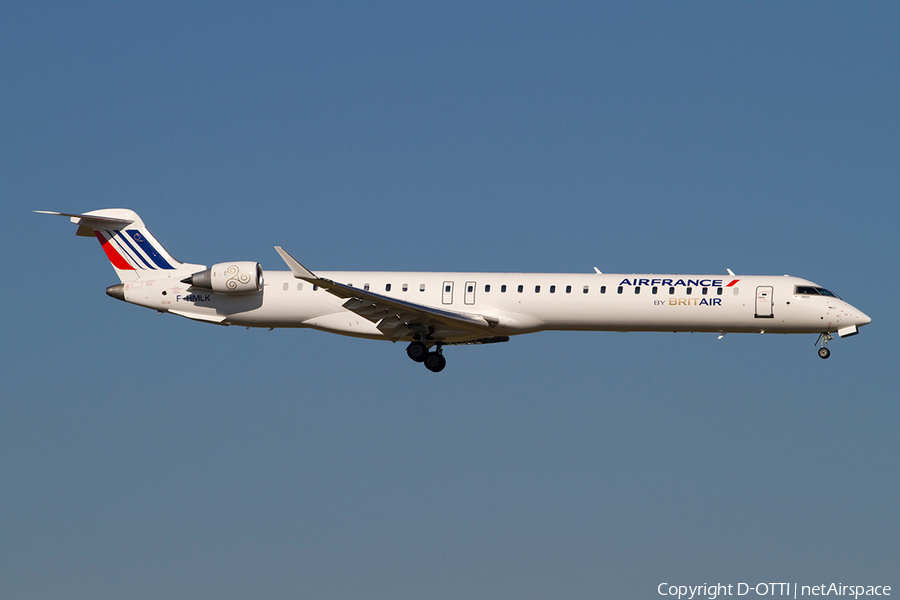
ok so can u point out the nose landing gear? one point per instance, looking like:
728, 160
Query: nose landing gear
824, 338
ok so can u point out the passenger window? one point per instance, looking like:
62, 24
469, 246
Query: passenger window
552, 289
602, 289
719, 291
300, 286
586, 288
537, 289
285, 287
315, 288
366, 287
521, 289
568, 289
619, 291
654, 290
405, 287
487, 287
637, 289
387, 287
671, 291
689, 291
421, 287
736, 290
503, 289
704, 290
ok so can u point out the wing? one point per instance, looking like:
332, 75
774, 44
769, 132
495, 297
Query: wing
397, 318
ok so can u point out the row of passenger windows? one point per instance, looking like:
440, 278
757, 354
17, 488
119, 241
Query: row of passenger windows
586, 289
537, 289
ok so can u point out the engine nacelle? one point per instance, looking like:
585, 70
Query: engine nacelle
229, 278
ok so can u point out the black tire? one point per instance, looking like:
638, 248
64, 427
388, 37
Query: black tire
435, 362
417, 351
824, 352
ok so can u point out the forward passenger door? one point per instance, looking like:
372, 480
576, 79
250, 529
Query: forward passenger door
764, 302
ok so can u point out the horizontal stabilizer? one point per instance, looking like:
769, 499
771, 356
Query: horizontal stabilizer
92, 221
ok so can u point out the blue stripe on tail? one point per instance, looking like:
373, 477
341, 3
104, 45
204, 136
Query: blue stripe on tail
130, 251
149, 249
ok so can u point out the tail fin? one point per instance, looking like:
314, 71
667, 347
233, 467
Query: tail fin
131, 249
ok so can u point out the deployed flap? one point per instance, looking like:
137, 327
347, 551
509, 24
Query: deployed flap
395, 317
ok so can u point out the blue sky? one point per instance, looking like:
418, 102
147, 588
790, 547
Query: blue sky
147, 456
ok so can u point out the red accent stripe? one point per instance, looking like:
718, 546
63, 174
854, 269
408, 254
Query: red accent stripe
112, 254
732, 283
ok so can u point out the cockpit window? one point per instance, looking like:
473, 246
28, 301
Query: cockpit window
810, 290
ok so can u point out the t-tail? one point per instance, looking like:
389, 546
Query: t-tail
131, 249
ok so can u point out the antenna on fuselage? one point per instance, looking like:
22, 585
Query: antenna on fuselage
598, 271
730, 272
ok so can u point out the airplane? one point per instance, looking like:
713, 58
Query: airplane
430, 310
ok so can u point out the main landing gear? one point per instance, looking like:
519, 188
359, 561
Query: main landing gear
824, 352
434, 360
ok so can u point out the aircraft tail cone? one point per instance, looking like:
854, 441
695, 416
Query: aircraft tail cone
116, 291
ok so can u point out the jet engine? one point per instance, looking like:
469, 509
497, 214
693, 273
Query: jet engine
229, 278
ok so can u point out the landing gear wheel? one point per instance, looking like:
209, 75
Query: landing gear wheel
824, 338
435, 362
417, 351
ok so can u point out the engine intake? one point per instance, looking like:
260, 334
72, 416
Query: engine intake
229, 278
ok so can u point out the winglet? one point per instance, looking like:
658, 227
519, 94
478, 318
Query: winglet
299, 271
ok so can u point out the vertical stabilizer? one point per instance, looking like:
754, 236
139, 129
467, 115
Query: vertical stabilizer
131, 249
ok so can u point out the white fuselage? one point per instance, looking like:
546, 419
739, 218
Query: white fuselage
431, 310
521, 302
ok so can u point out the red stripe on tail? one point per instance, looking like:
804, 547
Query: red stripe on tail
112, 254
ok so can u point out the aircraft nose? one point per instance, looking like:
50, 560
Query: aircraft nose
861, 318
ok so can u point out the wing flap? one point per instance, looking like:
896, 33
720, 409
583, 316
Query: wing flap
205, 317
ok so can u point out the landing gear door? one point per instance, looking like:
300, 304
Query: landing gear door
470, 292
448, 292
764, 302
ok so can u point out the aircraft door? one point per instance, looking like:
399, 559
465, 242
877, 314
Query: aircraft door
447, 297
764, 302
470, 292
